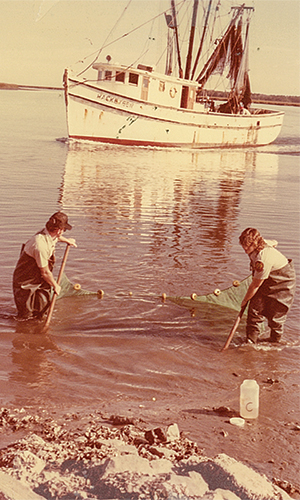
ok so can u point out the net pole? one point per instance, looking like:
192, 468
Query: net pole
234, 328
52, 304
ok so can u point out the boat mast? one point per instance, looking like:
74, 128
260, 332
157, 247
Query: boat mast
191, 41
185, 90
202, 39
176, 38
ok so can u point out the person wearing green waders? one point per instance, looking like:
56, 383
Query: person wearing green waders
33, 279
272, 290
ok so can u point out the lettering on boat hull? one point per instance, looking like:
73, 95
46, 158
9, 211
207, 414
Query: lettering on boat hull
115, 100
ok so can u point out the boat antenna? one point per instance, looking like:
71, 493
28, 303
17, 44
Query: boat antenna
202, 40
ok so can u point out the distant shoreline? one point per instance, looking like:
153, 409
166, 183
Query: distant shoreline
14, 86
278, 100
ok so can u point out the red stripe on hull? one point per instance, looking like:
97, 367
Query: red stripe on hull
128, 142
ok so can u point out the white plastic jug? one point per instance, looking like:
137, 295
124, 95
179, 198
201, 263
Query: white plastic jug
249, 399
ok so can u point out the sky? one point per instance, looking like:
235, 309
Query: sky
40, 38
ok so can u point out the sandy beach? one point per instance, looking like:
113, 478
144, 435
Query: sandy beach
100, 456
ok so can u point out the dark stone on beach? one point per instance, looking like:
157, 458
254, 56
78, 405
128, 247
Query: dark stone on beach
224, 411
157, 435
160, 434
120, 420
271, 381
156, 451
150, 436
286, 486
138, 441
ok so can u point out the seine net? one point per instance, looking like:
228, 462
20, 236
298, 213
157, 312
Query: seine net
230, 298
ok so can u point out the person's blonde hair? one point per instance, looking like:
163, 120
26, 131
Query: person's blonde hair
252, 236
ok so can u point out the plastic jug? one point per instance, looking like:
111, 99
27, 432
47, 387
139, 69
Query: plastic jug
249, 399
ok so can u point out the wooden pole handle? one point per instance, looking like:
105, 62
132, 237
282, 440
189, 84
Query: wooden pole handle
234, 328
62, 267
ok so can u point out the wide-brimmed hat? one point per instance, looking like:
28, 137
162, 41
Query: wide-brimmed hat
59, 220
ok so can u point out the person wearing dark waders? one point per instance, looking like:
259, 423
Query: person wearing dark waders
33, 280
271, 292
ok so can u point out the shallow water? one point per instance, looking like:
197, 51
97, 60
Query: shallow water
147, 222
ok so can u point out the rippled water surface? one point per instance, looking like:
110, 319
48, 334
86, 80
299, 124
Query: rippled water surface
146, 222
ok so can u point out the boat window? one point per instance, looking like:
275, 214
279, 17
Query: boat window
120, 76
100, 74
145, 82
108, 75
162, 86
133, 78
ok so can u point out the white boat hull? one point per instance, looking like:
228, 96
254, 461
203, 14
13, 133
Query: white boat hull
95, 114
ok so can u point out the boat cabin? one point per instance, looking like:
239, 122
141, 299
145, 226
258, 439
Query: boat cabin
144, 84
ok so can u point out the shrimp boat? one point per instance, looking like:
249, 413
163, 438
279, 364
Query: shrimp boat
136, 105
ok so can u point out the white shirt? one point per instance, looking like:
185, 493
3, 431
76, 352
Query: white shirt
267, 260
41, 246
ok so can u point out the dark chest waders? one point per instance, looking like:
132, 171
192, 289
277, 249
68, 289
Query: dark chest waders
31, 293
272, 301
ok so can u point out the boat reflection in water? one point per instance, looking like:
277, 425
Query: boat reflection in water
160, 209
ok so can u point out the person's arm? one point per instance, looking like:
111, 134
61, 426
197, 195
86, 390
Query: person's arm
70, 241
253, 287
49, 278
